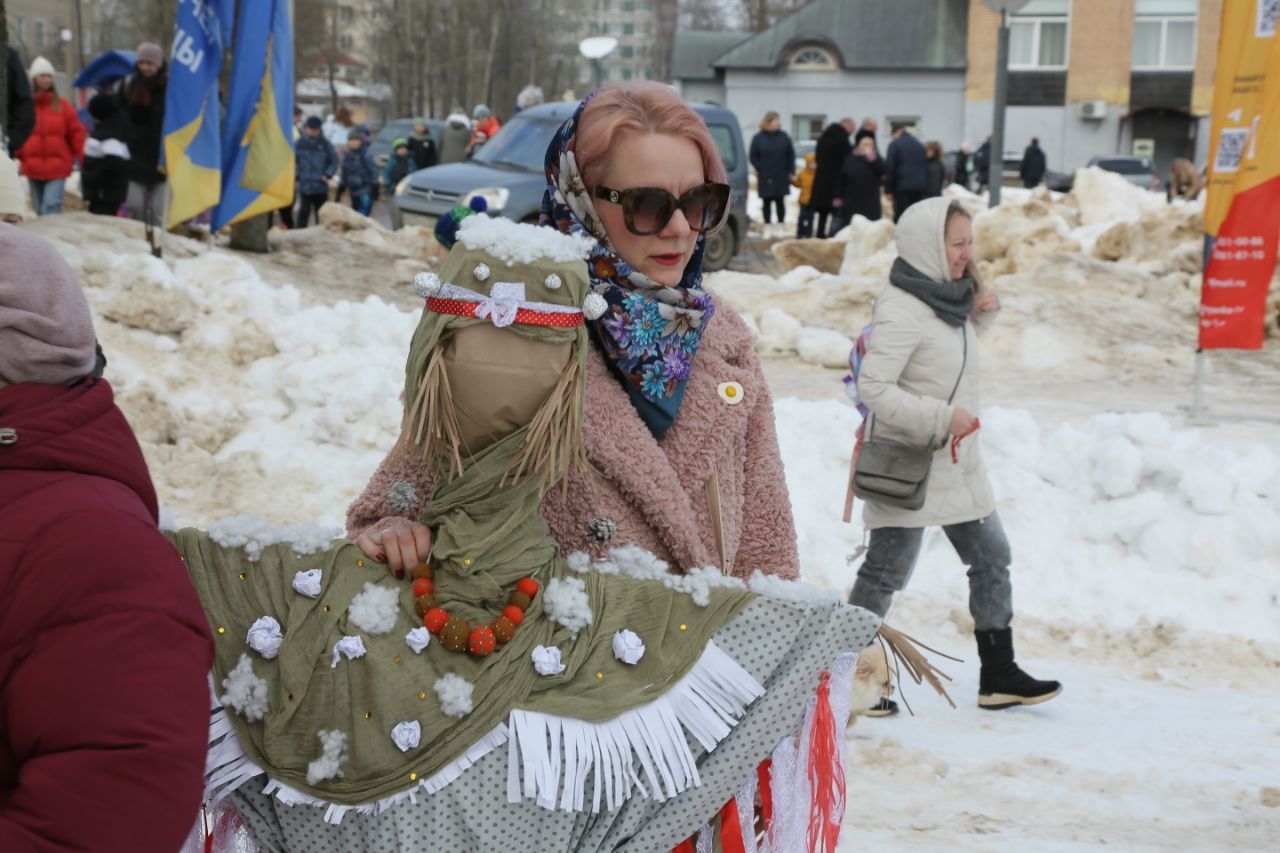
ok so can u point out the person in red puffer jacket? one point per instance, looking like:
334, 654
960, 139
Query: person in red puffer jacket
54, 146
104, 649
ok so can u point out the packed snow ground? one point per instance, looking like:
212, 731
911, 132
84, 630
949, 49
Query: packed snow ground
1147, 552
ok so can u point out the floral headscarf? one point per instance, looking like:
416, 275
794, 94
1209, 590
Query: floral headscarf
650, 332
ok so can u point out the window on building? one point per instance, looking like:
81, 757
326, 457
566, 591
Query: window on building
812, 59
39, 35
628, 5
628, 51
806, 127
1164, 34
345, 42
346, 13
1038, 35
19, 30
628, 29
626, 73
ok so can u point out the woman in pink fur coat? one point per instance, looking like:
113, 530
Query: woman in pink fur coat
679, 423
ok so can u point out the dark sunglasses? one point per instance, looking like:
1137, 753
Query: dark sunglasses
647, 210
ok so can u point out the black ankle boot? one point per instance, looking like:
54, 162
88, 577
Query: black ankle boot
1002, 684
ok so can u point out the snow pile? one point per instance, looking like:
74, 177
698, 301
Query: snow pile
1102, 279
1118, 521
242, 395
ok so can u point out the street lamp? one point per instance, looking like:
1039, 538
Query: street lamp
995, 177
596, 49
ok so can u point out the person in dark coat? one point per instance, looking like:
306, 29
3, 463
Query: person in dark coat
937, 169
104, 181
142, 97
422, 148
982, 164
962, 165
357, 174
774, 159
906, 172
21, 119
858, 188
105, 650
399, 165
832, 150
1033, 165
316, 162
867, 131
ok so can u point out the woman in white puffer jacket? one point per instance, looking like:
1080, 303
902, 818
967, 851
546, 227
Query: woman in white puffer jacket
919, 379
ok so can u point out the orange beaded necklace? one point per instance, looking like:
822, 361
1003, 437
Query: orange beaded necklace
455, 633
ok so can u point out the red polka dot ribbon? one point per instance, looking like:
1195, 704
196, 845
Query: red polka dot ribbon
524, 316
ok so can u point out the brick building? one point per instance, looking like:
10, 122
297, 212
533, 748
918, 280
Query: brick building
1088, 77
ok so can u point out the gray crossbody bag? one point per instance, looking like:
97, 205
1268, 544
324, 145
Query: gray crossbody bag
897, 474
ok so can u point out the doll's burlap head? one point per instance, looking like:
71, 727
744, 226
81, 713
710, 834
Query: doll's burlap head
499, 352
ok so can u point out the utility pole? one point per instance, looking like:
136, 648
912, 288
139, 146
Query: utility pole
995, 175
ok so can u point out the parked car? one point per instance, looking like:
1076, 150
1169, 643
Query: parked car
1139, 171
380, 148
508, 172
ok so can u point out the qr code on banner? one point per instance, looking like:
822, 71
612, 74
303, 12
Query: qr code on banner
1231, 148
1268, 16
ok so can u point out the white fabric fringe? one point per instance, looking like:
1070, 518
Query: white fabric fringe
790, 772
553, 755
550, 757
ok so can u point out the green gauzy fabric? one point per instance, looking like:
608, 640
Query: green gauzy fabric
488, 534
367, 697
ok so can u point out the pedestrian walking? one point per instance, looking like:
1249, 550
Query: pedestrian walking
774, 159
455, 138
919, 379
56, 142
963, 157
104, 177
337, 128
937, 169
13, 202
804, 180
358, 175
831, 151
858, 189
21, 115
1033, 167
315, 163
142, 98
982, 165
422, 148
399, 165
906, 171
867, 130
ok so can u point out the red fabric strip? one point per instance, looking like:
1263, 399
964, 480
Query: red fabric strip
686, 846
764, 774
731, 828
524, 316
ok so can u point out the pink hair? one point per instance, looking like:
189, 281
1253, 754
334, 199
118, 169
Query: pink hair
640, 108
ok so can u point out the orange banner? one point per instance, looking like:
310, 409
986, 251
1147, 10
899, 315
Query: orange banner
1243, 206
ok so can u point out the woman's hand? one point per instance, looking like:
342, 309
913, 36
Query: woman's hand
985, 299
962, 422
398, 542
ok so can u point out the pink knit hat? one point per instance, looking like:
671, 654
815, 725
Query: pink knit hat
151, 52
46, 330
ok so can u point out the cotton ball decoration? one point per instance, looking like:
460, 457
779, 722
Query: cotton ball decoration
565, 601
426, 284
454, 693
246, 692
376, 609
333, 753
594, 306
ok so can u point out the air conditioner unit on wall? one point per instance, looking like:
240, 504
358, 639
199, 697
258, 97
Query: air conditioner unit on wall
1094, 110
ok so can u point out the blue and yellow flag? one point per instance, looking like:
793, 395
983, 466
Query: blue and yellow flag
192, 142
257, 152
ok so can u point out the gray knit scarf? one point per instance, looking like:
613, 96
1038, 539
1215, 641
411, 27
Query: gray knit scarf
952, 301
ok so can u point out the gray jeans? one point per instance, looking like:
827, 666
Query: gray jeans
981, 545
